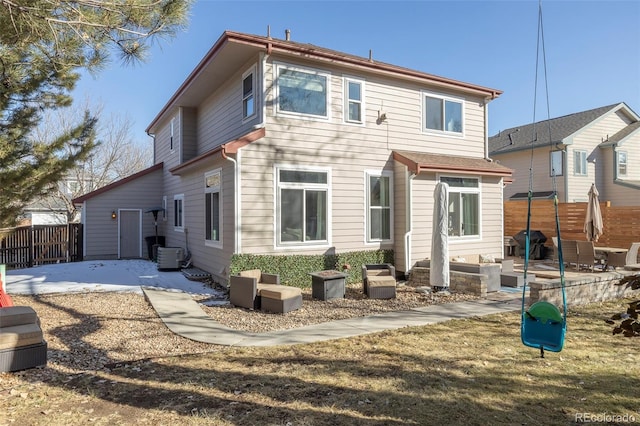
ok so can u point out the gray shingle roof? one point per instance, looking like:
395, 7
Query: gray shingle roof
631, 128
517, 138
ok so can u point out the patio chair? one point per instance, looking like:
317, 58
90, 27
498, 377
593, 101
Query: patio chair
254, 289
379, 281
22, 344
570, 252
632, 260
587, 255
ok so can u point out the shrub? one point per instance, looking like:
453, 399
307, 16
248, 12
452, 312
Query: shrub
294, 269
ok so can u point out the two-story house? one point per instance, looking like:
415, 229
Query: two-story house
272, 146
595, 146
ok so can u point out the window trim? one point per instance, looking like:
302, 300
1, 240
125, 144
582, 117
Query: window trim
250, 72
368, 174
277, 243
211, 190
561, 162
178, 227
626, 163
276, 101
347, 100
445, 98
582, 161
172, 134
466, 190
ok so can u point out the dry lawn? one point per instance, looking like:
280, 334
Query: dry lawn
462, 372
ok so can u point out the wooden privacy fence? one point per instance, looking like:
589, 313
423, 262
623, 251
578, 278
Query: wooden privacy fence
27, 246
621, 223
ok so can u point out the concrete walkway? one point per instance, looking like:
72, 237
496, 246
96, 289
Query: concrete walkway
182, 315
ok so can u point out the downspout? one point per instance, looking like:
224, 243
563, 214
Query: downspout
409, 223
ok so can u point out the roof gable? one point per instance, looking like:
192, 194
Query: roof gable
560, 128
117, 183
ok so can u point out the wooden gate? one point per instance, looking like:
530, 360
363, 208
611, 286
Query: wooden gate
27, 246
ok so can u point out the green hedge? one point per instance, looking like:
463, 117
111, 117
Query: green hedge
294, 270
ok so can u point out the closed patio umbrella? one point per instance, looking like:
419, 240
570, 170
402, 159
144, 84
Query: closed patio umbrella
593, 220
439, 264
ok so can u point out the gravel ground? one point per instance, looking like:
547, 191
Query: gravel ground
96, 330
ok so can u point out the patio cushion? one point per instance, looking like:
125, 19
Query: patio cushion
378, 272
382, 281
279, 292
17, 315
20, 335
252, 273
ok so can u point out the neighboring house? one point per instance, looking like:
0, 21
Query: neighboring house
54, 209
596, 146
277, 147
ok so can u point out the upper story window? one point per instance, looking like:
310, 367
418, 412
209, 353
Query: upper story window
213, 207
302, 210
172, 135
354, 101
302, 91
379, 206
178, 212
443, 115
622, 163
464, 206
248, 94
556, 163
580, 163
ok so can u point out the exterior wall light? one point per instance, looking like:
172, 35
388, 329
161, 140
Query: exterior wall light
114, 215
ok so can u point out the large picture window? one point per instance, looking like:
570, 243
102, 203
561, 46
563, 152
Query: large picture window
379, 211
443, 115
213, 206
464, 206
302, 91
302, 208
178, 212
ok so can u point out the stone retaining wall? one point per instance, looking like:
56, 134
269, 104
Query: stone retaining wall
460, 282
597, 287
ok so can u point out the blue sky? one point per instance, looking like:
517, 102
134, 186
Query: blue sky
592, 50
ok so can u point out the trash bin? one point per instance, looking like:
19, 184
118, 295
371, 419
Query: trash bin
151, 242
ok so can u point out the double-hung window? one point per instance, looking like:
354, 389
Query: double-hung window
622, 163
556, 163
302, 91
443, 115
302, 206
178, 212
464, 206
354, 101
212, 207
379, 211
248, 94
580, 163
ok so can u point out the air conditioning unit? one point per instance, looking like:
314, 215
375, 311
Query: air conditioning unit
170, 257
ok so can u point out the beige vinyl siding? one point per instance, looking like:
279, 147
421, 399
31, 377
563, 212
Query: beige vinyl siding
588, 140
142, 193
520, 163
220, 115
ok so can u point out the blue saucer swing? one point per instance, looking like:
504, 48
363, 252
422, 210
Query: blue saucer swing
542, 325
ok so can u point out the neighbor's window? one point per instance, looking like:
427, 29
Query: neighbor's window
354, 91
178, 211
443, 115
556, 163
302, 211
379, 201
212, 206
464, 206
302, 91
580, 163
248, 94
622, 163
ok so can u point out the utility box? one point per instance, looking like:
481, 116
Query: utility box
170, 258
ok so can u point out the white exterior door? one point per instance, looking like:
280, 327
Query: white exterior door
130, 234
